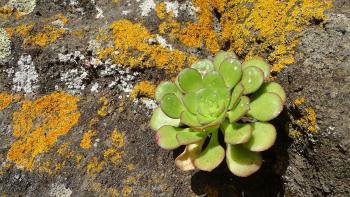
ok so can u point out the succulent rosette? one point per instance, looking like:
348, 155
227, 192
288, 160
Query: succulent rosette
219, 94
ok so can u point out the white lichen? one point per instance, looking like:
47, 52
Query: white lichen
172, 6
60, 190
94, 88
25, 77
5, 45
163, 42
146, 7
74, 80
23, 6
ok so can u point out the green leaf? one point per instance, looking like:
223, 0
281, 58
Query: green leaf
231, 71
260, 63
272, 87
189, 119
166, 137
242, 162
185, 161
190, 101
263, 137
240, 110
214, 81
220, 56
236, 95
190, 79
236, 133
252, 79
203, 66
165, 88
190, 136
212, 155
266, 107
171, 105
160, 119
202, 119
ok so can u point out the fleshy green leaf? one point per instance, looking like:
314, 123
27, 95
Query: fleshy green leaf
190, 79
272, 87
236, 95
185, 161
212, 155
190, 101
213, 80
171, 105
165, 88
242, 162
189, 119
203, 66
240, 110
252, 79
190, 137
266, 107
263, 137
231, 71
160, 119
236, 133
166, 137
260, 63
220, 56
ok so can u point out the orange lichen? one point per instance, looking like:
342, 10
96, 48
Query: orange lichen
24, 29
143, 89
95, 166
9, 31
86, 140
39, 124
131, 167
126, 191
117, 139
49, 35
64, 152
161, 10
104, 109
131, 41
299, 101
248, 27
5, 100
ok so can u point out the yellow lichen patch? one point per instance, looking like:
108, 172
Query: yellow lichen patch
161, 10
143, 89
117, 139
126, 191
270, 27
24, 29
95, 166
5, 100
38, 125
49, 35
131, 41
311, 119
9, 31
248, 27
293, 133
131, 167
64, 152
104, 109
299, 101
121, 106
78, 33
86, 140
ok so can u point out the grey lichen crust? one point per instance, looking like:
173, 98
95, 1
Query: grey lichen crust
5, 45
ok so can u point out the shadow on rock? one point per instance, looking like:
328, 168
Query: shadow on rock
267, 181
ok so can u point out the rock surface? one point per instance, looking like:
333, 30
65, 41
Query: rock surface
76, 83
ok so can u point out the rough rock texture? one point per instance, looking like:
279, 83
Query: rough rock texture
69, 125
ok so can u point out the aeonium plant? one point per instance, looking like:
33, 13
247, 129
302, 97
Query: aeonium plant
219, 94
